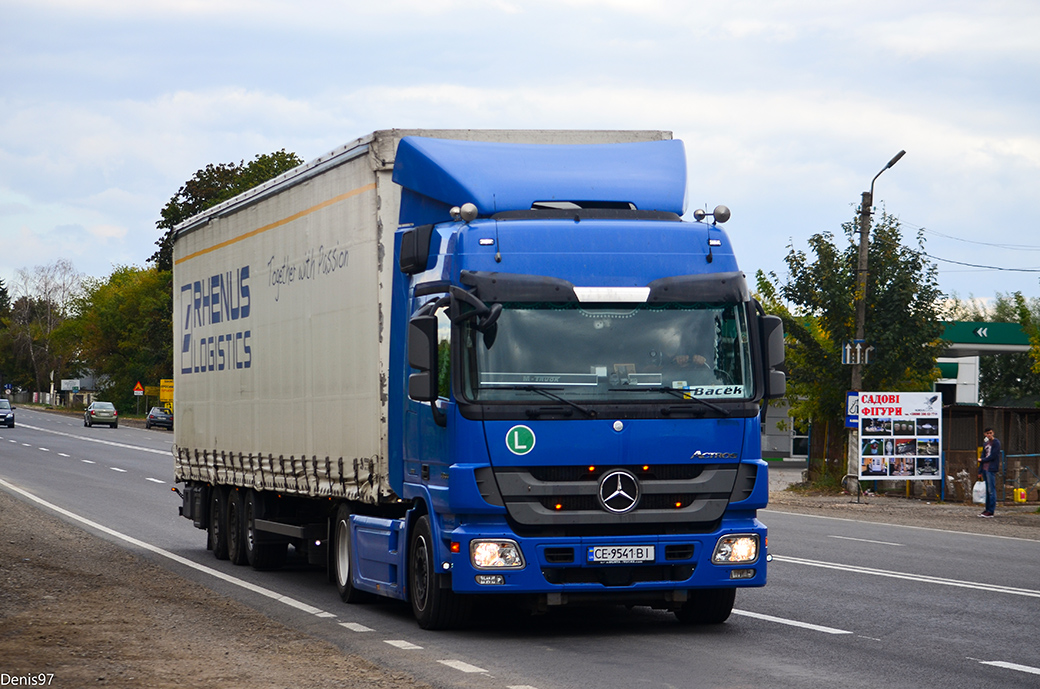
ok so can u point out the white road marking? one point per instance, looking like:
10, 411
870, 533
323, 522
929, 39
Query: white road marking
355, 627
402, 644
866, 540
62, 454
88, 461
899, 526
121, 471
103, 442
1012, 666
273, 595
461, 666
922, 578
791, 623
324, 614
43, 449
155, 480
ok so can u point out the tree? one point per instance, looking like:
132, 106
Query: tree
816, 303
1011, 379
124, 328
6, 347
212, 185
37, 318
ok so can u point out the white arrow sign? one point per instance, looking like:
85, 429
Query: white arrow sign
856, 352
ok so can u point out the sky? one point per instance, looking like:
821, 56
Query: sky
787, 109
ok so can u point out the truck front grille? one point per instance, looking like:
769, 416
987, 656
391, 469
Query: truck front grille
691, 497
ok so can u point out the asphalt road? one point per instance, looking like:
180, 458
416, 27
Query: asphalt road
848, 604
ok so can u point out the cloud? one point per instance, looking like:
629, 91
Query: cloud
787, 109
107, 231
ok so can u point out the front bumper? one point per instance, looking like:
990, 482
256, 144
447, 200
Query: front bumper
561, 566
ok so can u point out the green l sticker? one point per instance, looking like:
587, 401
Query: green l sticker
520, 440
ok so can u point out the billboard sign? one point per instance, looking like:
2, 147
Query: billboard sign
900, 435
166, 391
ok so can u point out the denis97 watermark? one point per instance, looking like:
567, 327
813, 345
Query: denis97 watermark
38, 679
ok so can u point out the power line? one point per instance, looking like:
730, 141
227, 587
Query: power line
1016, 247
976, 265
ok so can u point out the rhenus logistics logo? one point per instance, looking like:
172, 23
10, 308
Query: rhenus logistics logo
212, 311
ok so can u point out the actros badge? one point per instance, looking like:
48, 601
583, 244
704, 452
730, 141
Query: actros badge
618, 491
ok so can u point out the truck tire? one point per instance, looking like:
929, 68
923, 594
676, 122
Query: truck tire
707, 606
433, 606
342, 557
217, 528
236, 528
263, 556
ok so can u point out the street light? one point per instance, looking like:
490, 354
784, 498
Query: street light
861, 272
861, 315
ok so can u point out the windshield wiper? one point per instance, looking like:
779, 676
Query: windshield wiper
678, 392
544, 392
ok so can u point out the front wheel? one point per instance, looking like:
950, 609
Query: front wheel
707, 606
434, 607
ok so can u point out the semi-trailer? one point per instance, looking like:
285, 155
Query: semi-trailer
452, 364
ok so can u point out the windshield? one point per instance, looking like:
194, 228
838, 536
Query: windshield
610, 352
4, 404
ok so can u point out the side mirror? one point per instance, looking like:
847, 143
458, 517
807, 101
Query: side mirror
773, 339
772, 329
422, 356
415, 249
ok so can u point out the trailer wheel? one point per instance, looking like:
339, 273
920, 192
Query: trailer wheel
217, 529
707, 606
260, 555
236, 528
342, 557
434, 607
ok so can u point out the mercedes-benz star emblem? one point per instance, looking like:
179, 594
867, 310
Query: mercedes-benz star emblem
618, 491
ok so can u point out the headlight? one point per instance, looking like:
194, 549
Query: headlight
736, 549
495, 555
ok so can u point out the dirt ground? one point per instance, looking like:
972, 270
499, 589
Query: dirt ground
93, 614
79, 608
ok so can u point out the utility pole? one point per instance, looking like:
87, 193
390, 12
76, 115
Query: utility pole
860, 298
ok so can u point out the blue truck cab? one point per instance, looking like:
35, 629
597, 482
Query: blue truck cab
575, 386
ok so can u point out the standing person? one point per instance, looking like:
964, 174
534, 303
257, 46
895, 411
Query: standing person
989, 465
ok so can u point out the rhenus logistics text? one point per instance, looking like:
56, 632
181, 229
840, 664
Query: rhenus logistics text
212, 310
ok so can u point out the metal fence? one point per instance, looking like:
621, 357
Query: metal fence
1019, 433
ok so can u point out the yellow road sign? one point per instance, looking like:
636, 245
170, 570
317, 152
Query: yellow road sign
166, 390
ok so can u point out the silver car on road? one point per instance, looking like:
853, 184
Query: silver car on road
101, 412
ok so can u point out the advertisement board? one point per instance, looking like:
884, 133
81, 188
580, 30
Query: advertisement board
900, 435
